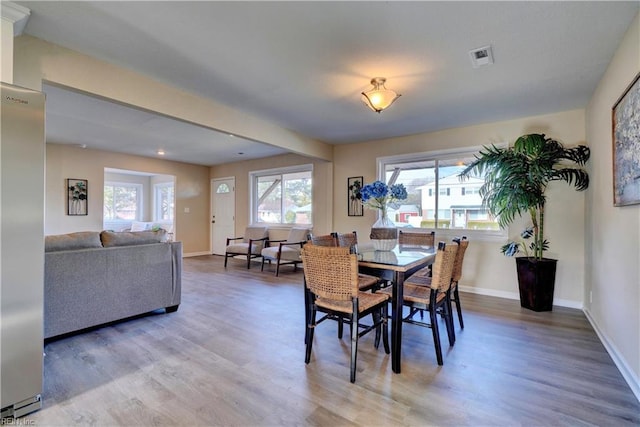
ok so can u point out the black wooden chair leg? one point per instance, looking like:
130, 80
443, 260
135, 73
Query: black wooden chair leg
458, 307
354, 346
385, 329
436, 336
377, 320
309, 338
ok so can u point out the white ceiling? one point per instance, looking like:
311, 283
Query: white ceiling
302, 65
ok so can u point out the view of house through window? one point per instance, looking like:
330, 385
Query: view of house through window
437, 197
282, 196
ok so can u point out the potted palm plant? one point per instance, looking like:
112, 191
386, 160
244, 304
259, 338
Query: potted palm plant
516, 179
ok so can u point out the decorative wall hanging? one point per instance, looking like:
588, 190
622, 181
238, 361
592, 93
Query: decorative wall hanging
354, 206
77, 196
626, 146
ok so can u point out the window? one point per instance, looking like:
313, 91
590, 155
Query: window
122, 204
282, 196
435, 191
163, 202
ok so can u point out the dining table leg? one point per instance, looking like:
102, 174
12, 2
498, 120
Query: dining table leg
396, 321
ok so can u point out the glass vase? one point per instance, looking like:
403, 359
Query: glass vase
384, 233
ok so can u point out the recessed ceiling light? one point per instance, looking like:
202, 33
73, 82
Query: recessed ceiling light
160, 152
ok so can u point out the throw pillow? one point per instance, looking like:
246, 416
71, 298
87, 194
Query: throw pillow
129, 238
71, 241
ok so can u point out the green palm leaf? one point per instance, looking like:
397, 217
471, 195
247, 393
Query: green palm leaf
516, 180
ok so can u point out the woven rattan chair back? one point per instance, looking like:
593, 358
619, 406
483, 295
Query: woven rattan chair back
330, 272
409, 238
443, 267
348, 240
456, 275
323, 240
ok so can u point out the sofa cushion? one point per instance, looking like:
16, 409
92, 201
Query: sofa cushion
71, 241
129, 238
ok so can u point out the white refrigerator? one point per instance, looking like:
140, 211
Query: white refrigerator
22, 165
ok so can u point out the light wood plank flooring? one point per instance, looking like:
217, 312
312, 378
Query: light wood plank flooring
233, 355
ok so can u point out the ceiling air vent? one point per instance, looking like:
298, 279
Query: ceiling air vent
481, 56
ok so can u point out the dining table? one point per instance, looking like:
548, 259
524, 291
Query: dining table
395, 265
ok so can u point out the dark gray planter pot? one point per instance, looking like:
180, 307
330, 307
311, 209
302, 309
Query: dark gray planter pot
536, 281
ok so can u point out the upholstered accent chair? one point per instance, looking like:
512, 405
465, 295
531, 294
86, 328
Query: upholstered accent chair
250, 245
286, 251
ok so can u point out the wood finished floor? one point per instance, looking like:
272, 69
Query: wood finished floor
233, 355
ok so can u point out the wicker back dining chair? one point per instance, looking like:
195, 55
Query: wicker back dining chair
331, 287
456, 275
416, 240
409, 239
431, 293
323, 239
348, 240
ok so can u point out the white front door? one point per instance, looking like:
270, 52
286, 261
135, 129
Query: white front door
223, 213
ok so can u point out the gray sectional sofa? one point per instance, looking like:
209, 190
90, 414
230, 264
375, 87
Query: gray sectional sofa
93, 278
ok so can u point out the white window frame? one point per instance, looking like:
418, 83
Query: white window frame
156, 202
139, 204
254, 175
445, 234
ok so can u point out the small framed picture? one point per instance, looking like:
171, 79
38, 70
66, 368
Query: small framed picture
354, 204
626, 146
77, 196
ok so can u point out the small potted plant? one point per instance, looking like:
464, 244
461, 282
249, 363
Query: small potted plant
516, 179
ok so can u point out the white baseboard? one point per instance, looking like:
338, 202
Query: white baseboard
627, 373
190, 254
516, 296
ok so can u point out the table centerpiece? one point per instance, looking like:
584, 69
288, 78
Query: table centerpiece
380, 196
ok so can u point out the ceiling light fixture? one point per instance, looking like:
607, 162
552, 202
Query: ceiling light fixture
379, 97
160, 152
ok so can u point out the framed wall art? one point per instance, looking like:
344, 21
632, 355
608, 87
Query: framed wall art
77, 196
626, 146
354, 206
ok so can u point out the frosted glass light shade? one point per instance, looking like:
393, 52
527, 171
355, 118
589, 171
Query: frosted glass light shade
379, 98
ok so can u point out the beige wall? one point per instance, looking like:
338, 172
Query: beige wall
486, 269
322, 189
613, 233
66, 161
